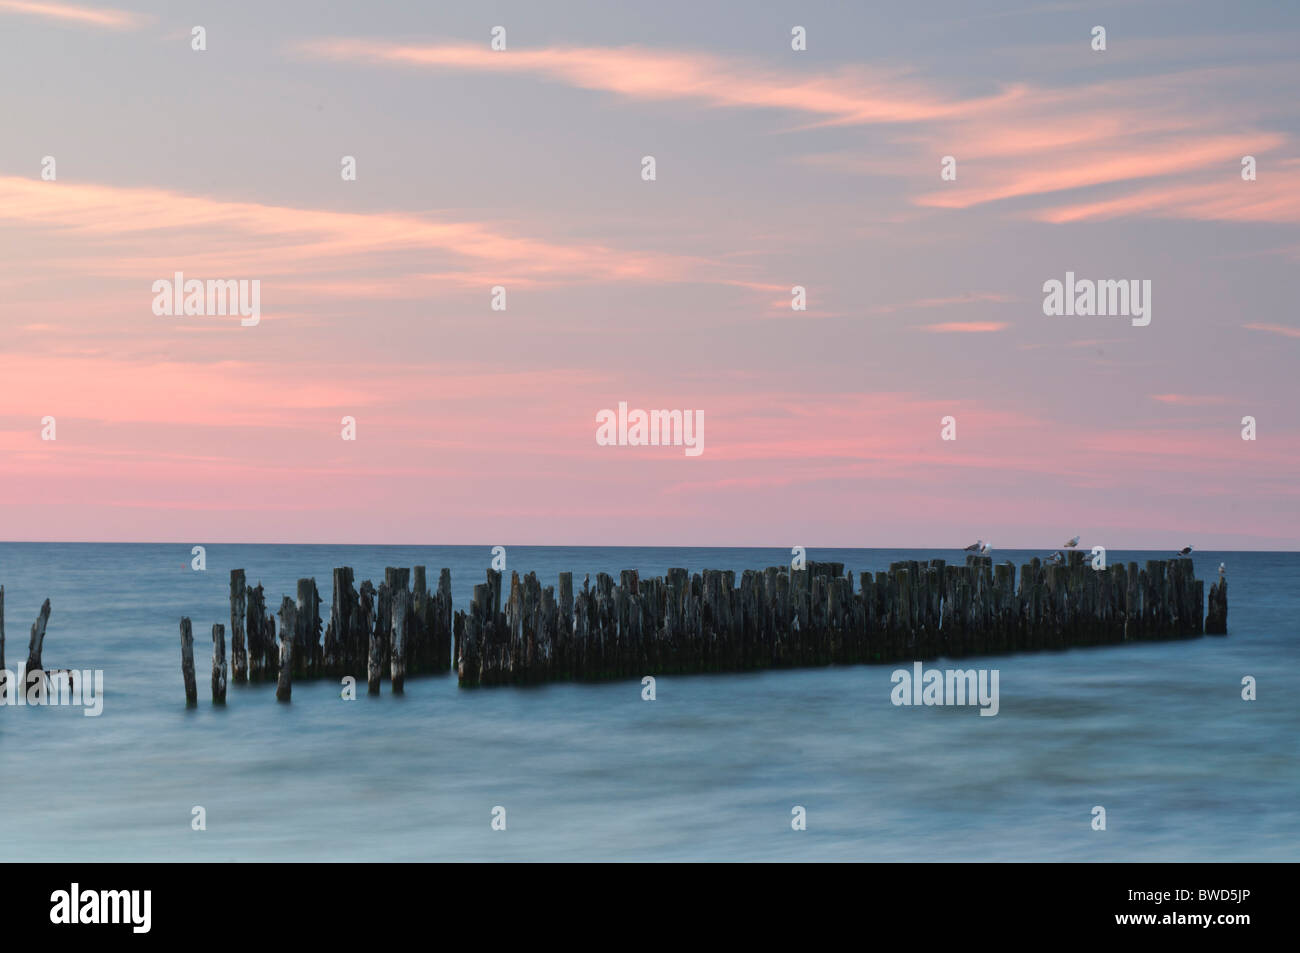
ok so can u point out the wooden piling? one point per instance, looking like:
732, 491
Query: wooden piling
307, 630
442, 623
401, 622
218, 664
376, 641
339, 656
238, 656
263, 657
3, 671
1216, 617
187, 662
290, 637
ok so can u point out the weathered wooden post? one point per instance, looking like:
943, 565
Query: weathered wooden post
1216, 618
469, 664
401, 604
306, 635
3, 676
218, 664
378, 639
187, 662
564, 631
264, 660
289, 627
363, 625
338, 657
238, 657
37, 642
443, 626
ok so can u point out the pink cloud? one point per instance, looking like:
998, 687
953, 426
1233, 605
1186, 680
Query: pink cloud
1225, 199
851, 95
104, 17
154, 232
1282, 329
1097, 167
1189, 400
966, 327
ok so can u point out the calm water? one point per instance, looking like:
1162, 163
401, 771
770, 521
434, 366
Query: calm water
1156, 733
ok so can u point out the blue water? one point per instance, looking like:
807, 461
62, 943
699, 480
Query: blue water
1157, 733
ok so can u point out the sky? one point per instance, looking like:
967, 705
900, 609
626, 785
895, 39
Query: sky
523, 169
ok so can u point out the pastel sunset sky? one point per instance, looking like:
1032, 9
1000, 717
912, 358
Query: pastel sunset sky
775, 168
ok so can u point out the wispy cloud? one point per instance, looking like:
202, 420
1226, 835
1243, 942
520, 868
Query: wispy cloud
850, 95
103, 17
1013, 144
1189, 400
1282, 329
149, 231
966, 327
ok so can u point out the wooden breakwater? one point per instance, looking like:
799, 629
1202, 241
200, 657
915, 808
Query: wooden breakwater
705, 622
702, 622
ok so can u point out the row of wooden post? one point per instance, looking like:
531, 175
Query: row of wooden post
916, 610
702, 622
397, 629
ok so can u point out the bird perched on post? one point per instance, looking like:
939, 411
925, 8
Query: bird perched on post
1185, 551
1222, 569
1056, 559
1072, 543
974, 547
985, 548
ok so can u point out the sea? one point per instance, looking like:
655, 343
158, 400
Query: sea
791, 765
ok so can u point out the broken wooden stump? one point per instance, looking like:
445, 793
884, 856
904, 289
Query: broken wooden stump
306, 630
399, 633
238, 656
378, 639
263, 657
187, 662
1216, 616
289, 633
37, 641
218, 664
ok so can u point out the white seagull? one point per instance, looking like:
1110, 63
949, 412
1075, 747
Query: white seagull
1222, 569
985, 548
1072, 543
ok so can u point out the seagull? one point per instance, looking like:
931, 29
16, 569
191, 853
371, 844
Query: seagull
985, 548
1222, 569
1072, 543
974, 547
1056, 558
1185, 551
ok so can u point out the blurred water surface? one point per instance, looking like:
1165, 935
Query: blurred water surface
1157, 733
